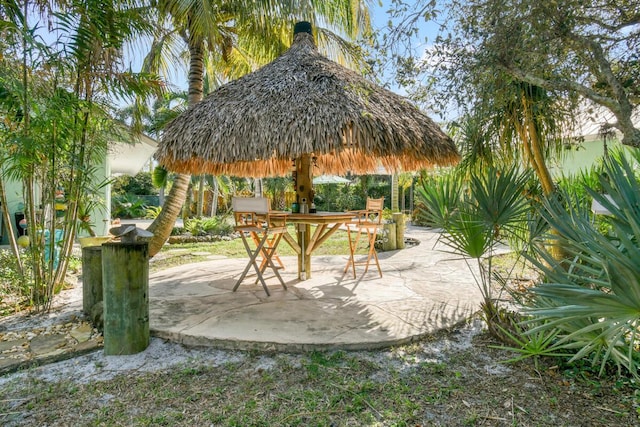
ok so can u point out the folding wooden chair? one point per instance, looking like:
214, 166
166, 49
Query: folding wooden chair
252, 220
366, 222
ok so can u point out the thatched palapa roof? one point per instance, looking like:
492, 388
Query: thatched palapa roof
302, 103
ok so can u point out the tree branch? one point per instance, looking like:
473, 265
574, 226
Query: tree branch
561, 85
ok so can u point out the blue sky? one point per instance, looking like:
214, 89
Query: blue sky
178, 77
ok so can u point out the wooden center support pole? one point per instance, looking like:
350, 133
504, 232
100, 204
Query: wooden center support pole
304, 175
91, 277
303, 232
125, 276
304, 193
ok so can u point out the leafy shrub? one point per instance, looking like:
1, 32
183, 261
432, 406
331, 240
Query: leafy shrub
14, 291
152, 212
127, 206
477, 215
10, 278
348, 201
208, 226
141, 184
436, 199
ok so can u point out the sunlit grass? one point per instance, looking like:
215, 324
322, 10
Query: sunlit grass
337, 244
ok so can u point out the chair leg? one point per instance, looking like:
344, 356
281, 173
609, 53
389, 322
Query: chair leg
271, 243
253, 255
270, 252
371, 253
352, 248
372, 234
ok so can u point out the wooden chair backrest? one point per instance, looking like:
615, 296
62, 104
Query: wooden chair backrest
375, 204
373, 211
250, 210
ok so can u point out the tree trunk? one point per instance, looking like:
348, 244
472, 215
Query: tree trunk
216, 192
395, 205
537, 157
164, 222
534, 152
257, 187
532, 148
186, 204
200, 201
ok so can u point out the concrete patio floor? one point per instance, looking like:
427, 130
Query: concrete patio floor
423, 289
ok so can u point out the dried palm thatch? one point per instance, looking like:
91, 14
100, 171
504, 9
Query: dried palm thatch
302, 103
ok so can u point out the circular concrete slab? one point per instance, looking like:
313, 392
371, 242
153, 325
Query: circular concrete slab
423, 289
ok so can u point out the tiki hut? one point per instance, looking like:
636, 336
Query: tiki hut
302, 104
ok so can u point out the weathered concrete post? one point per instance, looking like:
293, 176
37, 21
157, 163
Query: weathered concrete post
389, 240
91, 277
398, 219
125, 277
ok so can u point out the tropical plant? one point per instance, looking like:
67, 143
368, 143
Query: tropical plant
89, 205
533, 344
128, 206
152, 212
476, 216
593, 300
57, 133
438, 197
276, 189
208, 226
12, 283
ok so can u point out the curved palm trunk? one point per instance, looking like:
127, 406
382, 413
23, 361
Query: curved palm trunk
164, 222
533, 147
534, 153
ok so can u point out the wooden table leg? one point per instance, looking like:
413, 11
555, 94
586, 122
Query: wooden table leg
304, 260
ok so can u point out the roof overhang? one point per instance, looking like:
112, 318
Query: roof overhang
128, 158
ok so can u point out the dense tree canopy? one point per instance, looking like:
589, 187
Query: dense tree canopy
576, 50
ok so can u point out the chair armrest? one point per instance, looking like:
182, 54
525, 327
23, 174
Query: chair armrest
357, 216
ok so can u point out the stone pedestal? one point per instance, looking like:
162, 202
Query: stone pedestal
398, 219
389, 240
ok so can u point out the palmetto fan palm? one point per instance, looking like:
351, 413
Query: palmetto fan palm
232, 32
476, 215
595, 302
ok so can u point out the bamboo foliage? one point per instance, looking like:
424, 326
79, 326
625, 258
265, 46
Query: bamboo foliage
53, 140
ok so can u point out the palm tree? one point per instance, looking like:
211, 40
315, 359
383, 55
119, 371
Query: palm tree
237, 35
516, 122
